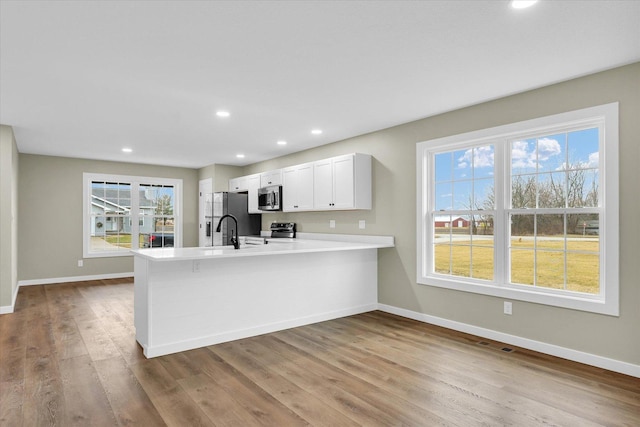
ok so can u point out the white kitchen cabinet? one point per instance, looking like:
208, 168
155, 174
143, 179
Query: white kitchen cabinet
297, 188
253, 183
238, 184
342, 183
250, 185
271, 178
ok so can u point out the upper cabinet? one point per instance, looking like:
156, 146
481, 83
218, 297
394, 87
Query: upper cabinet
297, 188
338, 183
342, 183
238, 184
250, 185
253, 183
271, 178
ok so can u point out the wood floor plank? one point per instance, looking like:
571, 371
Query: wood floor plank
12, 346
60, 300
448, 393
68, 356
216, 402
263, 407
339, 389
551, 386
244, 357
130, 403
12, 362
85, 399
97, 340
68, 340
172, 402
43, 392
44, 402
11, 402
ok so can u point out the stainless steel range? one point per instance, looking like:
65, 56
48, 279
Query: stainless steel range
283, 230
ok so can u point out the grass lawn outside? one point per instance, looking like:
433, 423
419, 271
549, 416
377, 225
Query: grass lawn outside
459, 257
122, 240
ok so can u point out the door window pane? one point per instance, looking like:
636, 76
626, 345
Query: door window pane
110, 219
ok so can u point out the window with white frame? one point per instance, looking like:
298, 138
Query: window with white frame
526, 211
129, 212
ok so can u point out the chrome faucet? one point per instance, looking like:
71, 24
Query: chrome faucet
234, 239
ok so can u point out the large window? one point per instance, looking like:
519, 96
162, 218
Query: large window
123, 213
525, 211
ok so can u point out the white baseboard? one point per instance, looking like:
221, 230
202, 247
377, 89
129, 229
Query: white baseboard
73, 279
6, 309
551, 349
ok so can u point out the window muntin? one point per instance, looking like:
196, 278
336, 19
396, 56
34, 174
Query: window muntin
123, 213
157, 205
546, 226
462, 220
554, 188
110, 216
545, 251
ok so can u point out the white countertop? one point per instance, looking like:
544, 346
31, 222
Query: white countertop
315, 243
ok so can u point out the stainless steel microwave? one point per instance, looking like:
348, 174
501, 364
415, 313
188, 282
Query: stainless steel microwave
270, 198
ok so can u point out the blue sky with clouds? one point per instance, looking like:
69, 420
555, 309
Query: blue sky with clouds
464, 178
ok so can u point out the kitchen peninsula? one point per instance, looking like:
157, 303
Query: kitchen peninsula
187, 298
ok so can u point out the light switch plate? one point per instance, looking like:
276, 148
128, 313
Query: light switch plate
362, 224
332, 223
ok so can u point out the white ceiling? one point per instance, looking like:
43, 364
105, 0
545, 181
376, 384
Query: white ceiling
84, 79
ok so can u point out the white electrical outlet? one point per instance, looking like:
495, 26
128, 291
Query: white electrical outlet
196, 266
80, 263
362, 224
332, 223
508, 308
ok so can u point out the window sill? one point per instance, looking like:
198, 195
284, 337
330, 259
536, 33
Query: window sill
107, 254
574, 301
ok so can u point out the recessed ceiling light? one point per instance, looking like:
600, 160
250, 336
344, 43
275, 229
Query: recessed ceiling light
282, 142
316, 131
222, 113
127, 150
522, 4
240, 156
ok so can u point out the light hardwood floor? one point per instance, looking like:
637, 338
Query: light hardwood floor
68, 357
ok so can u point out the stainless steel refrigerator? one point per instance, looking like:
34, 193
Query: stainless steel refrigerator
225, 203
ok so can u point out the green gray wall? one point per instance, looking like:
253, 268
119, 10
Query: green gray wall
8, 217
50, 207
394, 213
220, 174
